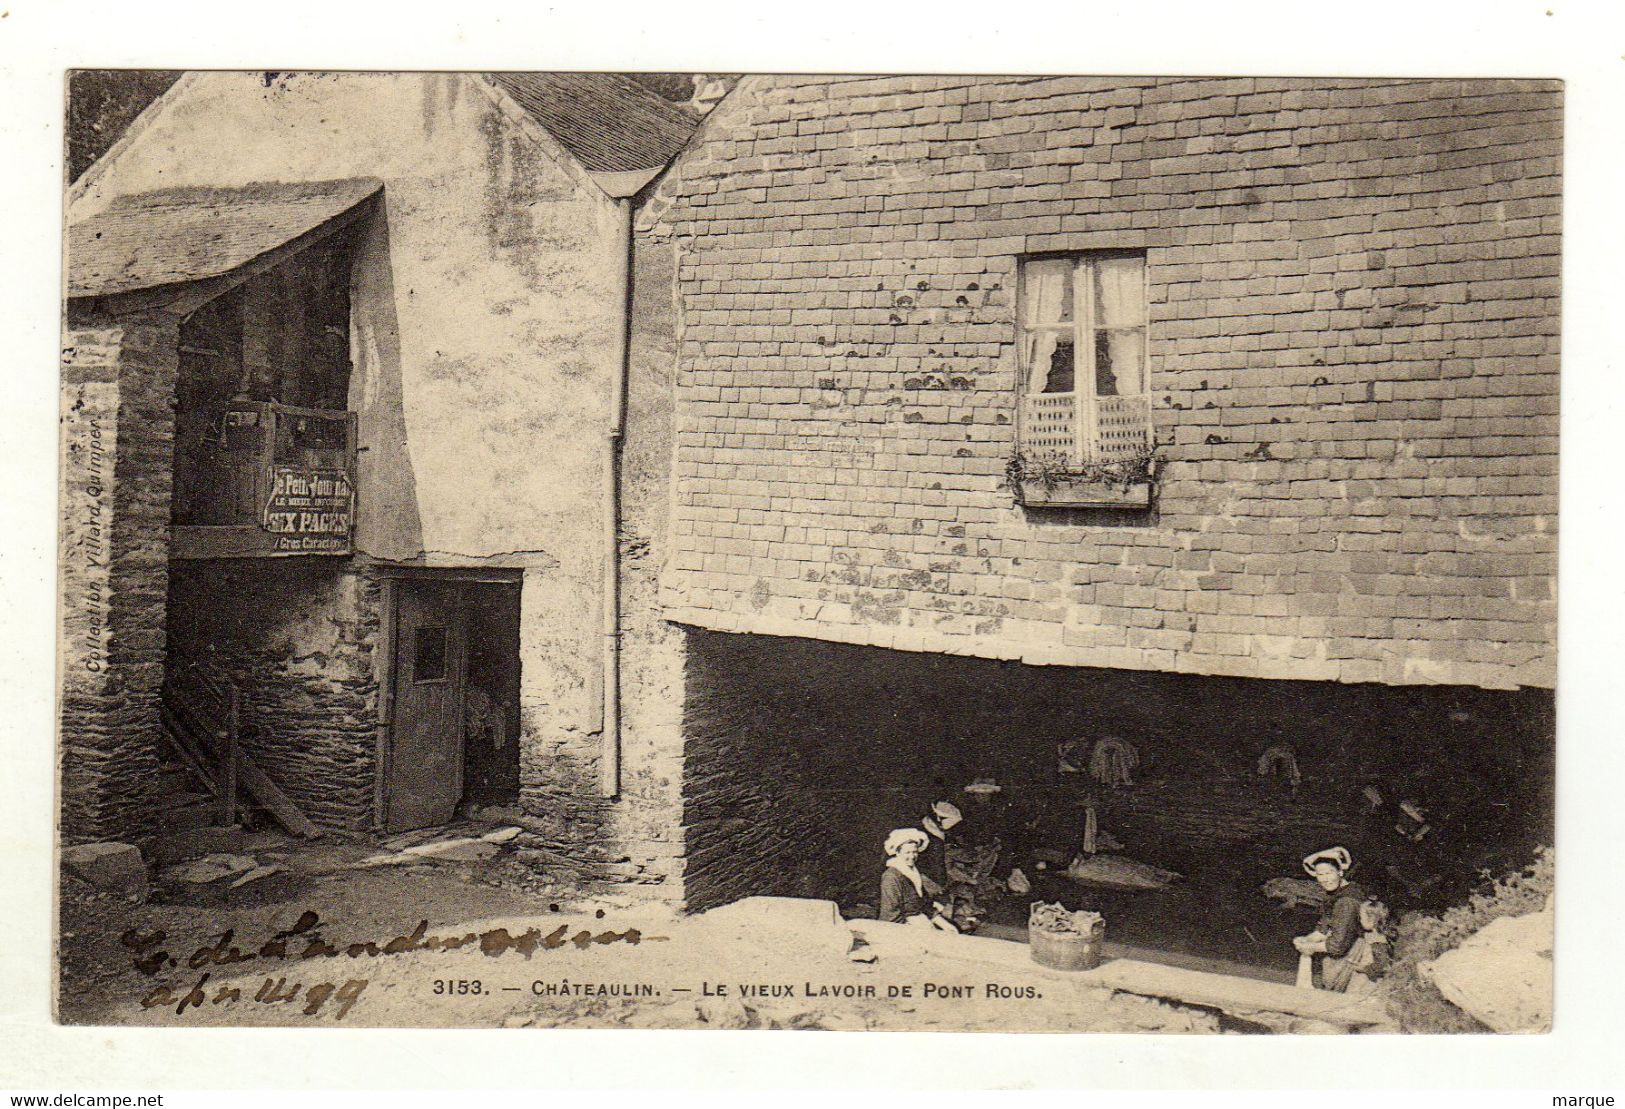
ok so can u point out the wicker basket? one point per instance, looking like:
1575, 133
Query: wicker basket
1066, 950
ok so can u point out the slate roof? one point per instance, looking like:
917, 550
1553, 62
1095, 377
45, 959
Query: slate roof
187, 234
610, 122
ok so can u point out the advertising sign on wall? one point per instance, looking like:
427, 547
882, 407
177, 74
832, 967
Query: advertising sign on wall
310, 511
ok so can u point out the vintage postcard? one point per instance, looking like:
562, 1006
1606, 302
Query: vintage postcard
746, 550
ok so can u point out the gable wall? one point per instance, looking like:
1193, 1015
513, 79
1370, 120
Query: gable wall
486, 306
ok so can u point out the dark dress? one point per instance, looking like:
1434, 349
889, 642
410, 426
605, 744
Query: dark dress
1392, 865
1347, 953
1374, 848
1340, 920
933, 862
899, 900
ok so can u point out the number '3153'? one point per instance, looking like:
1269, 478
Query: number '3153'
458, 986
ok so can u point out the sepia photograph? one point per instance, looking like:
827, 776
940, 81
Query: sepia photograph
916, 552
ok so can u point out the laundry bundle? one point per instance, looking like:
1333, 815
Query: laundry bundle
1280, 760
1119, 872
1293, 892
1094, 838
1057, 919
1114, 762
1064, 939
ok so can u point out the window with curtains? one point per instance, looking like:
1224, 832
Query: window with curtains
1084, 396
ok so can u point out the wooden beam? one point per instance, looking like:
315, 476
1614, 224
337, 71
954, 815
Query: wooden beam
233, 541
265, 791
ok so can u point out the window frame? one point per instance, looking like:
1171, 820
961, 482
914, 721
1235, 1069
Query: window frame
1084, 331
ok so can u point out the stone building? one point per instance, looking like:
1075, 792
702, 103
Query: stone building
1214, 415
342, 416
926, 429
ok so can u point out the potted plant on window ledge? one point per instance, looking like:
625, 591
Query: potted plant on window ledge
1046, 481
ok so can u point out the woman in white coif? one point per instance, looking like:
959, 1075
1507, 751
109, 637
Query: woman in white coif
903, 895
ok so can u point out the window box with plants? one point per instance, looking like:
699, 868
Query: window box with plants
1039, 482
1085, 436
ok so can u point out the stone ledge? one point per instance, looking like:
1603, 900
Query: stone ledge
1237, 996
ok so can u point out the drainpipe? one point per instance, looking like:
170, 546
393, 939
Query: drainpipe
609, 763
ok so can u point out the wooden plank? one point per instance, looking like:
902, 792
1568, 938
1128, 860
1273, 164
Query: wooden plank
228, 771
223, 541
386, 704
192, 720
265, 791
183, 746
234, 541
1234, 995
1115, 949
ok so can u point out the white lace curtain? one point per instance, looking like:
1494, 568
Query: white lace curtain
1048, 297
1119, 287
1118, 310
1119, 292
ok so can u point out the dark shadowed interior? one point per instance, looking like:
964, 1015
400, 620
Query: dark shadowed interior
802, 756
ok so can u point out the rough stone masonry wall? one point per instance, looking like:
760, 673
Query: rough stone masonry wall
802, 756
299, 637
118, 376
1353, 356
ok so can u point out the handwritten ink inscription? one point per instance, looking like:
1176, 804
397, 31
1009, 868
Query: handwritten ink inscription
301, 970
304, 941
270, 993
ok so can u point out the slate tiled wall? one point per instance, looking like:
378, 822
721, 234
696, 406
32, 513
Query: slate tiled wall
299, 638
1353, 353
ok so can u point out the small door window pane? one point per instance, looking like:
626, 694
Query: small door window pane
429, 655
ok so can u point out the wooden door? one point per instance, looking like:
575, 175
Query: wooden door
425, 774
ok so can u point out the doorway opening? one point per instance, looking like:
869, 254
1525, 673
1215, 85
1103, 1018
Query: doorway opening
453, 732
491, 732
